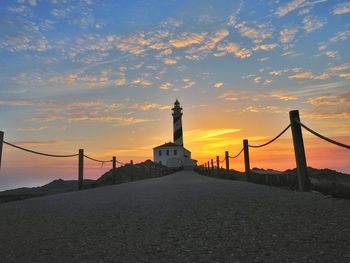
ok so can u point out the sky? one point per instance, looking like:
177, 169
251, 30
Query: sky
103, 75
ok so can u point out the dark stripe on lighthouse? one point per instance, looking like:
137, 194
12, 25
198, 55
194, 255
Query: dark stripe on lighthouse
177, 134
176, 119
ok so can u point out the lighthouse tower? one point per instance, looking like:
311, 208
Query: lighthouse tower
177, 120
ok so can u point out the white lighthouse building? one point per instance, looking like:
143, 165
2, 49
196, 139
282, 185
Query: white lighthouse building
174, 154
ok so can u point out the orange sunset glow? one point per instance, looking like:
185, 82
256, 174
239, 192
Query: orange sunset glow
75, 76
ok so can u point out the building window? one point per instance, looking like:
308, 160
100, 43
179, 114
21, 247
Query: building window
175, 152
167, 152
160, 153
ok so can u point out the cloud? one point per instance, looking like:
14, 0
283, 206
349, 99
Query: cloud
312, 23
169, 61
260, 80
39, 143
280, 72
218, 85
341, 9
120, 82
287, 35
309, 75
207, 46
142, 82
281, 96
291, 6
323, 100
45, 111
145, 106
300, 74
330, 106
339, 67
188, 83
33, 129
235, 49
233, 95
165, 86
265, 47
345, 75
340, 36
172, 22
260, 33
25, 42
210, 135
331, 53
269, 109
187, 39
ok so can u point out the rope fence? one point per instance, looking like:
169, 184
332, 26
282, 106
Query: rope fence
323, 137
271, 141
80, 156
296, 127
39, 153
234, 157
302, 179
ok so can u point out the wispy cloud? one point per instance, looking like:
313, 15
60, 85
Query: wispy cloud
33, 129
150, 105
188, 83
309, 75
312, 23
258, 34
166, 86
265, 47
330, 106
291, 6
218, 85
187, 39
341, 9
339, 67
287, 34
235, 50
141, 82
169, 61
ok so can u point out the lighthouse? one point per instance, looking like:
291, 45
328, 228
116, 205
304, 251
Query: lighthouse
177, 123
174, 154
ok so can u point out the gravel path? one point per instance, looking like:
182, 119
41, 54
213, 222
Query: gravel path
183, 217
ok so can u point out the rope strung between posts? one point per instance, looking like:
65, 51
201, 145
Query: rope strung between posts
233, 157
99, 161
121, 163
223, 160
95, 160
271, 141
323, 137
39, 153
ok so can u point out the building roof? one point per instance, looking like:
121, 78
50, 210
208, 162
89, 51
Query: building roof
171, 144
168, 144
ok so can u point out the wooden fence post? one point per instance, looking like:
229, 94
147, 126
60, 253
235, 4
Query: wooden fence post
208, 166
81, 169
300, 159
212, 167
1, 143
113, 171
246, 159
227, 159
132, 168
218, 165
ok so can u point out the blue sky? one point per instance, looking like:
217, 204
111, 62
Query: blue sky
112, 69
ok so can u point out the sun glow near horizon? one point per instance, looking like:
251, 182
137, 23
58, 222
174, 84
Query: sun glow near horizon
103, 76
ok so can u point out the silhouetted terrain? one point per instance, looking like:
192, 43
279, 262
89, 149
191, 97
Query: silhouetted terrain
326, 181
126, 173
